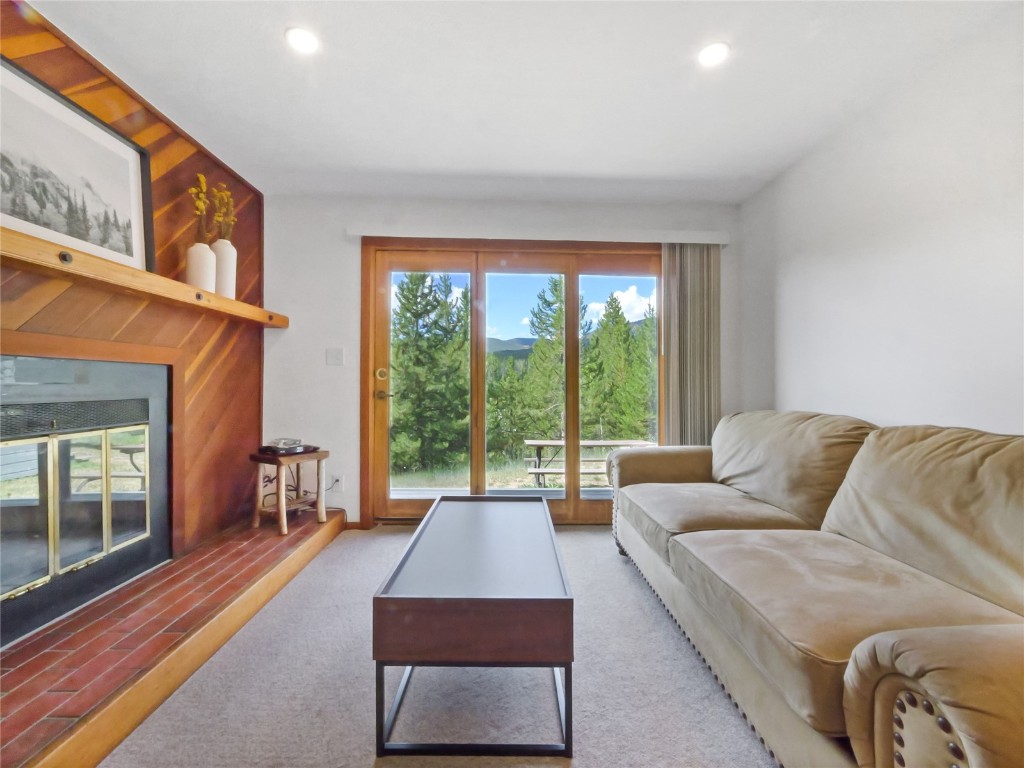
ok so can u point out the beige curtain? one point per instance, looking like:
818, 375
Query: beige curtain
691, 280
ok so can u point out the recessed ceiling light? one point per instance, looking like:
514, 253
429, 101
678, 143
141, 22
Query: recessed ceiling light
713, 55
301, 40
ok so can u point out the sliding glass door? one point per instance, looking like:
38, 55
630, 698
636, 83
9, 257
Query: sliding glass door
505, 371
618, 371
525, 375
428, 396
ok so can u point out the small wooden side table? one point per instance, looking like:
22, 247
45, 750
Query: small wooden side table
282, 461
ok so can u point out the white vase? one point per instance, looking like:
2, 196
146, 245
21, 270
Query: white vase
201, 267
227, 260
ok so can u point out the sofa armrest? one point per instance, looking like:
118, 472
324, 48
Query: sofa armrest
938, 696
659, 464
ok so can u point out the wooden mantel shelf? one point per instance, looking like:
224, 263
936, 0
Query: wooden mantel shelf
22, 251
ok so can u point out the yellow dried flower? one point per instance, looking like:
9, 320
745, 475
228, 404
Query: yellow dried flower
202, 204
224, 210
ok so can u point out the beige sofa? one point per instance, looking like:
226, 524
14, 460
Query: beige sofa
858, 592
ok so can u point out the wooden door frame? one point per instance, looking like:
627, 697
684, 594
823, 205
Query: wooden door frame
581, 258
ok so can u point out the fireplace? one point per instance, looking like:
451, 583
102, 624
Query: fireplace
83, 483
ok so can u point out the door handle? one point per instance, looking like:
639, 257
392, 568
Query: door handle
381, 394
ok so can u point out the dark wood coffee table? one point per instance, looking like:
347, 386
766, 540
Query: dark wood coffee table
481, 584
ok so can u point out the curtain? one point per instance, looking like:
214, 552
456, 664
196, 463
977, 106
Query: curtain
693, 388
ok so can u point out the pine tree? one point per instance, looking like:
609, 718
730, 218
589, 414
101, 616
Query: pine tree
644, 363
543, 391
19, 204
506, 420
430, 374
70, 214
106, 228
619, 383
83, 221
609, 410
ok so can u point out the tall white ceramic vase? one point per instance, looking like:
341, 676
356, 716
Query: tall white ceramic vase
227, 261
201, 267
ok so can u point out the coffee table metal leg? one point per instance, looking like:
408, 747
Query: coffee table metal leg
563, 695
380, 709
389, 723
384, 725
567, 712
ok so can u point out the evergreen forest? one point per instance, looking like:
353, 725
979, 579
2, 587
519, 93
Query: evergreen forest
430, 353
35, 194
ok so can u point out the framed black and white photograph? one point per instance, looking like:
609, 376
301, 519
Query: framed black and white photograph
69, 178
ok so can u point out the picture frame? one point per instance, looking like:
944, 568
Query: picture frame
69, 178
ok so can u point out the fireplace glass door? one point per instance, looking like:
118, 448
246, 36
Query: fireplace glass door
127, 452
80, 480
66, 501
24, 514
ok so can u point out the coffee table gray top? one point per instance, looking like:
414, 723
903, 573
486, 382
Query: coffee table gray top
470, 547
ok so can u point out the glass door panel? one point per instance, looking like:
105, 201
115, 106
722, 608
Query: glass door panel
24, 514
81, 490
429, 415
129, 497
525, 382
618, 371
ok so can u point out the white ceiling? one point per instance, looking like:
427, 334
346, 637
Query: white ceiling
514, 100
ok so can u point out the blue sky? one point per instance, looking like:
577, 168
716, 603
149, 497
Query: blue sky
510, 297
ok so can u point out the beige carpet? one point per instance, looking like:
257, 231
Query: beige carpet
295, 687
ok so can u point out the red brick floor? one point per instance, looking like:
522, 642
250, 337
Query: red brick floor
52, 678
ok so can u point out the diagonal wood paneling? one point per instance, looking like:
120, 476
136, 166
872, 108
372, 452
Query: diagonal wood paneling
26, 295
67, 312
108, 321
217, 364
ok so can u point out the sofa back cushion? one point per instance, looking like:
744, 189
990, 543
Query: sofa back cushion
949, 502
790, 459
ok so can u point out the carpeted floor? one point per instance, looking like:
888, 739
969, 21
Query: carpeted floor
295, 687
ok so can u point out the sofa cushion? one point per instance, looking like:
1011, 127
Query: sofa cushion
789, 459
798, 602
947, 501
659, 511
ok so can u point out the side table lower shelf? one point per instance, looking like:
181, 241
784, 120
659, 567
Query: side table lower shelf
283, 504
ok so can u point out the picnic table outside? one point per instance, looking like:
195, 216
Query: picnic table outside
542, 464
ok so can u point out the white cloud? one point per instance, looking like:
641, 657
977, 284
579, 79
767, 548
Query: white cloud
595, 311
525, 321
634, 306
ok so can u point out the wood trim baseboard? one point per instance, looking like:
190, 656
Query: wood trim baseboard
99, 733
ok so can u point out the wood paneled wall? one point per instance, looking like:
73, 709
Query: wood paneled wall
216, 363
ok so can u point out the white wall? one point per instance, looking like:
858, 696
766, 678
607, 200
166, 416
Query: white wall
895, 251
312, 274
